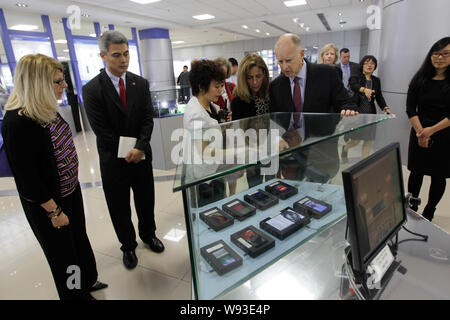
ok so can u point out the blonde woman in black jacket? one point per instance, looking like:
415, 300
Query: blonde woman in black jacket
44, 163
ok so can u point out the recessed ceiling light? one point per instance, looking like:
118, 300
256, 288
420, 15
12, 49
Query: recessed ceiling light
177, 42
342, 25
60, 41
66, 50
144, 1
267, 34
21, 5
203, 17
245, 27
24, 27
257, 30
294, 3
340, 14
307, 28
302, 24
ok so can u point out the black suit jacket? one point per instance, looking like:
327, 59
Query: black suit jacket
108, 118
359, 80
324, 92
355, 69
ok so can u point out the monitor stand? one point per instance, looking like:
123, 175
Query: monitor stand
361, 280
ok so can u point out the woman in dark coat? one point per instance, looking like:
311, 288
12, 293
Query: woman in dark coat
367, 88
251, 98
44, 163
428, 109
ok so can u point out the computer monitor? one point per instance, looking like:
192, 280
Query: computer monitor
376, 206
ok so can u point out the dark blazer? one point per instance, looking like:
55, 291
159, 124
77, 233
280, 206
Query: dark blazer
242, 109
324, 92
339, 70
358, 81
31, 157
108, 118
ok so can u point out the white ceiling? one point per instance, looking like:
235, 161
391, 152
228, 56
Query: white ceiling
269, 16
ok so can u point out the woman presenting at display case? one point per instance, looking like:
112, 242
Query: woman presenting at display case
44, 162
207, 79
428, 110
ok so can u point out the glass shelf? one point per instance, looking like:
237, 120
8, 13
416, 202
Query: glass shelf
308, 161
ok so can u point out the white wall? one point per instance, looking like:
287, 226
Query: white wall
350, 39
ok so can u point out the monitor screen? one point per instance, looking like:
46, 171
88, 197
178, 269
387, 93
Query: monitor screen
375, 203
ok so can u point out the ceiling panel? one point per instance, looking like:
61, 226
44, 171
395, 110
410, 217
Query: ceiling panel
318, 4
176, 15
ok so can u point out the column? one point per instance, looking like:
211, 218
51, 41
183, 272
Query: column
156, 60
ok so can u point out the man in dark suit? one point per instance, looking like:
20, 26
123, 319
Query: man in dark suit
118, 105
348, 68
308, 87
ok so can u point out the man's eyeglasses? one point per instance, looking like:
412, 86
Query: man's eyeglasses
444, 54
59, 82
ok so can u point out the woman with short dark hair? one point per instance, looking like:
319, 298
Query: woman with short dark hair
428, 109
367, 87
207, 79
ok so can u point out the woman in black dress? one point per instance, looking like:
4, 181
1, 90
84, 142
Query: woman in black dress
367, 88
428, 109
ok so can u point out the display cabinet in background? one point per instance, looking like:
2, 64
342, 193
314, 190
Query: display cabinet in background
279, 189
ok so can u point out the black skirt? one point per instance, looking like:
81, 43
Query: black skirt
431, 161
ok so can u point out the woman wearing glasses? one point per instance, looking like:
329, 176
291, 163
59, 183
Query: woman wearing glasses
44, 162
428, 109
367, 87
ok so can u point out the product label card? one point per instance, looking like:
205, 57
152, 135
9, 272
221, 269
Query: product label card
245, 243
232, 204
218, 246
210, 212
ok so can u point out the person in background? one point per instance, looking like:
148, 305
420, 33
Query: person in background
368, 88
328, 56
252, 99
183, 82
348, 68
207, 79
44, 162
223, 102
119, 107
428, 110
234, 71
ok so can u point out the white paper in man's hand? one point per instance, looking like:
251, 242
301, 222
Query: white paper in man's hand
125, 145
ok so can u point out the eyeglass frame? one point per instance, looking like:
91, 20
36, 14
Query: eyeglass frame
445, 54
59, 82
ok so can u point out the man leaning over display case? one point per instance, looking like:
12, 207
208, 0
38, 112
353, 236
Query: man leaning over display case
119, 109
308, 87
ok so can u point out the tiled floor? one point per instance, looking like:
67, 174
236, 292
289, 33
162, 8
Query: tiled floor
24, 272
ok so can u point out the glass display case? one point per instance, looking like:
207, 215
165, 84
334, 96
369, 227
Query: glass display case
256, 189
170, 102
